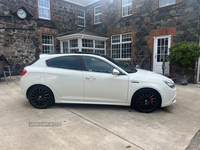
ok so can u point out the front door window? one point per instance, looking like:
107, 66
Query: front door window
97, 65
162, 49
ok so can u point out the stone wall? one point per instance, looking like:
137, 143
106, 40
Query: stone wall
22, 39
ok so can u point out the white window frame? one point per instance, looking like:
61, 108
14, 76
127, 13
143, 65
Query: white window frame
80, 46
48, 44
96, 15
82, 17
126, 6
166, 4
120, 43
46, 9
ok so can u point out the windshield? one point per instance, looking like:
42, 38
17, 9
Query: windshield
121, 65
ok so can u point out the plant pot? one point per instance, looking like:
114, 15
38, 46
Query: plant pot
182, 80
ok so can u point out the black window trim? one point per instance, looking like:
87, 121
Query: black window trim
84, 69
79, 66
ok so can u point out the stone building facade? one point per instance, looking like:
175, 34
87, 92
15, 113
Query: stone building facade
139, 32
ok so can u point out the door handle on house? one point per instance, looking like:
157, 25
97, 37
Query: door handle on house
90, 78
155, 56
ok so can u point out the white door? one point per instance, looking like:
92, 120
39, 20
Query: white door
161, 51
101, 85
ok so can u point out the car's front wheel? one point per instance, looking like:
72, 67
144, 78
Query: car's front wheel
146, 100
40, 97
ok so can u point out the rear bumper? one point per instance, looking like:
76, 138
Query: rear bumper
24, 85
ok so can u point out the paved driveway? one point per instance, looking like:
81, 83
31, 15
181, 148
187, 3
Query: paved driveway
85, 127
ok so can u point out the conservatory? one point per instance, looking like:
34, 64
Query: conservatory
83, 40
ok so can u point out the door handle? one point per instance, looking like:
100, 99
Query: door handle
155, 56
90, 78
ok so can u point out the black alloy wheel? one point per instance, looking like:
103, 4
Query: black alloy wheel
146, 101
40, 97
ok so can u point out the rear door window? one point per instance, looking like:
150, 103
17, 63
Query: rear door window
67, 62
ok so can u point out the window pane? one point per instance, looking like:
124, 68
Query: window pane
99, 44
166, 41
116, 39
47, 42
44, 3
102, 52
97, 19
126, 50
65, 47
44, 13
47, 39
97, 10
162, 42
87, 50
47, 49
158, 50
73, 43
166, 50
166, 2
81, 13
97, 65
81, 22
116, 51
127, 10
87, 43
74, 50
162, 50
68, 62
126, 37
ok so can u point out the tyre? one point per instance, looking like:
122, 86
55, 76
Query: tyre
146, 100
40, 97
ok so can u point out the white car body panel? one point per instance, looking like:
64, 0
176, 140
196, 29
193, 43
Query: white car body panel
72, 80
104, 89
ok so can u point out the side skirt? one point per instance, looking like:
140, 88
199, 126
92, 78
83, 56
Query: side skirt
81, 102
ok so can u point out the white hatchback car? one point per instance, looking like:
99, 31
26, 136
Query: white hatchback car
94, 79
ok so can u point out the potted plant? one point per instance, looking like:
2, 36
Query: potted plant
183, 56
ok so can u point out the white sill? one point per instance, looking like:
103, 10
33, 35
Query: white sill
44, 18
126, 16
166, 5
80, 26
122, 59
97, 23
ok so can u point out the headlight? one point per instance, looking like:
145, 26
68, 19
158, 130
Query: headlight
170, 83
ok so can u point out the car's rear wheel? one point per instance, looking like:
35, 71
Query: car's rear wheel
40, 97
146, 100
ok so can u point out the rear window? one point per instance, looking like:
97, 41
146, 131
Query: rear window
67, 62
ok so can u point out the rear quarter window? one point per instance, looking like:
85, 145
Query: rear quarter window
67, 62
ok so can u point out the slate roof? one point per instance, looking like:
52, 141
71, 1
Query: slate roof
87, 31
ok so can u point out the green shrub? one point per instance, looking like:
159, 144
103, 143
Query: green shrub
183, 53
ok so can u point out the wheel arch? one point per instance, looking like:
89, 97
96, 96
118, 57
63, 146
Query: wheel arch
39, 85
147, 89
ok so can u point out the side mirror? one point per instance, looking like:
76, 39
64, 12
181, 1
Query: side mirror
115, 72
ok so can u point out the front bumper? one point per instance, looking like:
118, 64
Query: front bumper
168, 96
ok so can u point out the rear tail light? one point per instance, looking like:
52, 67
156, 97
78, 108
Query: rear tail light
24, 72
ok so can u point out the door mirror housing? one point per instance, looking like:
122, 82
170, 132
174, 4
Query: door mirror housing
115, 72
